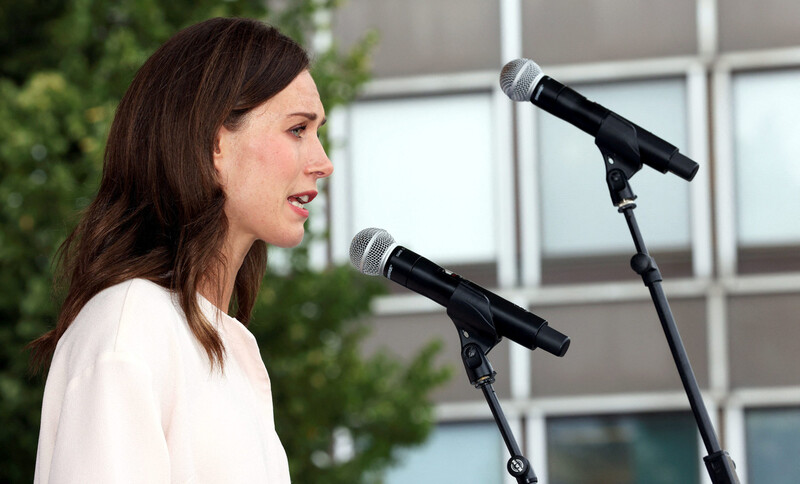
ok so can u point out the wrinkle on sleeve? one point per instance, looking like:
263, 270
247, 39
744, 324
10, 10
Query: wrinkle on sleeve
109, 428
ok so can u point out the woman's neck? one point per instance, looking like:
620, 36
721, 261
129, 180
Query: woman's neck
218, 285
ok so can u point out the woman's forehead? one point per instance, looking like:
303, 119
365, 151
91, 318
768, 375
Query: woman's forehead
300, 95
298, 98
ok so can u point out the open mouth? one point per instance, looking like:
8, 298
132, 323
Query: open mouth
299, 200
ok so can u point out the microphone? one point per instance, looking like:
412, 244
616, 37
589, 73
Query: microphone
523, 80
374, 252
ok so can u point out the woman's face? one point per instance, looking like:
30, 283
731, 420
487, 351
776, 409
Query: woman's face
270, 165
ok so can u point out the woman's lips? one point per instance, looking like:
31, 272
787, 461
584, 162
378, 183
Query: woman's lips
298, 200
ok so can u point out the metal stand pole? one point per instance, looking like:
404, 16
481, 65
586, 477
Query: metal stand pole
719, 464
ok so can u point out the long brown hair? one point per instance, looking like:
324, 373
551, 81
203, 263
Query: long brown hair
158, 213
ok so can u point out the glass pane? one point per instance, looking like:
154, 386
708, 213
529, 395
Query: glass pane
422, 170
467, 453
773, 445
578, 217
766, 110
623, 449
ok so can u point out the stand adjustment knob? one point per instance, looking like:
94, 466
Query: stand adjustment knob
518, 465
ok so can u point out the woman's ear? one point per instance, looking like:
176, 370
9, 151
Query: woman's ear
221, 151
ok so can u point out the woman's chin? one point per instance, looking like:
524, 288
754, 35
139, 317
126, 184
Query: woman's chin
286, 241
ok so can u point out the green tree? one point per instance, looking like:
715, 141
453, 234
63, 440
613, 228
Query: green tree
64, 64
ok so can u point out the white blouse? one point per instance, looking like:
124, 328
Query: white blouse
131, 398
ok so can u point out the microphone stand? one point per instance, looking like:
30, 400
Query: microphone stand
617, 142
471, 312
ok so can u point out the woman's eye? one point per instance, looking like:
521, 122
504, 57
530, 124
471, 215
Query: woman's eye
298, 131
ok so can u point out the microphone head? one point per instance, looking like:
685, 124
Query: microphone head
370, 249
519, 77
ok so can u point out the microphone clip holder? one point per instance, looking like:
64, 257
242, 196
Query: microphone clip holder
471, 312
617, 140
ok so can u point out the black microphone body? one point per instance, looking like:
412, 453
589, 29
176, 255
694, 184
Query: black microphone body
567, 104
422, 276
562, 101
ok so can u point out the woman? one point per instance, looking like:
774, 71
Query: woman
212, 154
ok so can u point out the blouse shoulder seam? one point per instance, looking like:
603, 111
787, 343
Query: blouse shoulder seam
106, 357
123, 313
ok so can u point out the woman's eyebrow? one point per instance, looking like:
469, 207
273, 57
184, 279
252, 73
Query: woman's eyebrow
309, 116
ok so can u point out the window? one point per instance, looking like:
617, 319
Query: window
422, 169
773, 444
467, 453
766, 111
651, 448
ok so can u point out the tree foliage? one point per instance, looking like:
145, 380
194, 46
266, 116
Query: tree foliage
64, 64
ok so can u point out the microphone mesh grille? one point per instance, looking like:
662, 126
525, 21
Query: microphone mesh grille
368, 249
517, 79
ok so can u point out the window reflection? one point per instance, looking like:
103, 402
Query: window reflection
467, 453
644, 448
766, 113
766, 110
773, 444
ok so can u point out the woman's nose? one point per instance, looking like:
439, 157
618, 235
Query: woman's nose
320, 165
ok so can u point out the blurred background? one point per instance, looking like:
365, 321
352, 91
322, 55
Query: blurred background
514, 198
426, 146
